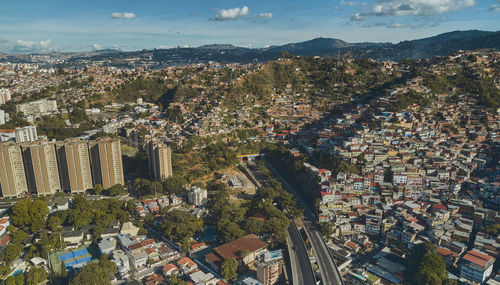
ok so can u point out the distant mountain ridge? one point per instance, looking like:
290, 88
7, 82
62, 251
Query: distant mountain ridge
439, 45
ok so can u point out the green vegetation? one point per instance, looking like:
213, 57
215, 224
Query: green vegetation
258, 216
30, 214
493, 229
180, 227
229, 269
11, 252
469, 82
218, 156
292, 169
336, 165
98, 212
148, 88
172, 185
411, 97
424, 266
54, 127
174, 280
95, 273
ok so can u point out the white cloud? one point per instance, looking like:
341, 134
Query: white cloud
349, 3
45, 44
231, 14
22, 46
422, 8
388, 25
398, 25
27, 44
122, 15
373, 25
96, 46
357, 17
264, 16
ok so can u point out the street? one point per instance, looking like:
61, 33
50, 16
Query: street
328, 269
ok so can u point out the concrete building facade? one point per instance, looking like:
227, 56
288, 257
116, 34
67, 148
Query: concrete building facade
37, 108
12, 177
74, 166
160, 160
26, 134
106, 162
40, 164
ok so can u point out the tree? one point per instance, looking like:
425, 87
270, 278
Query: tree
53, 223
493, 229
180, 226
35, 276
30, 213
18, 236
174, 184
11, 252
96, 273
98, 189
229, 269
11, 280
229, 230
174, 280
116, 190
254, 225
424, 266
19, 279
4, 269
326, 229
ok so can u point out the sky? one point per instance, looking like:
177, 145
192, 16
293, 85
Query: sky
34, 26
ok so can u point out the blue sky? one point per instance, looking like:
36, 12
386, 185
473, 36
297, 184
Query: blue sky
56, 25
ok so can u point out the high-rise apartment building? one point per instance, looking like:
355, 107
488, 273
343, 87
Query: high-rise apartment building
2, 117
197, 196
160, 160
4, 95
268, 272
74, 166
40, 164
26, 134
106, 162
37, 108
12, 176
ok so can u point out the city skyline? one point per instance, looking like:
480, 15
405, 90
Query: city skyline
57, 26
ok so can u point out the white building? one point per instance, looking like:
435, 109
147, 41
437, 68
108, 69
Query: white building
476, 266
4, 95
122, 262
399, 179
26, 134
2, 117
37, 108
197, 196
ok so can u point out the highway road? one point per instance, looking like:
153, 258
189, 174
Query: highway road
302, 272
328, 269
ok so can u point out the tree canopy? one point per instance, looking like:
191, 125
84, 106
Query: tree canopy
180, 226
229, 269
424, 266
30, 214
95, 273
